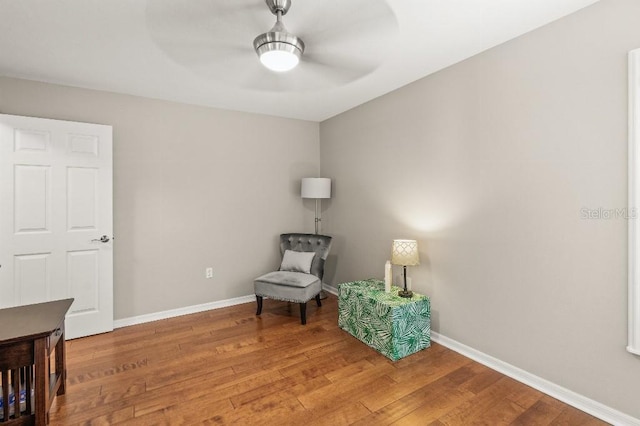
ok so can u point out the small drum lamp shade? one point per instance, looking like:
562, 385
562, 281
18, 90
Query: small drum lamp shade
405, 253
316, 188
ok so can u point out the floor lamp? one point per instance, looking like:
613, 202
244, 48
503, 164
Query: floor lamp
317, 188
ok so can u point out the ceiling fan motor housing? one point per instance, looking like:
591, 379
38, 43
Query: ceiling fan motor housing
278, 38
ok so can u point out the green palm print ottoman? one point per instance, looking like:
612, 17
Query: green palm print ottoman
393, 325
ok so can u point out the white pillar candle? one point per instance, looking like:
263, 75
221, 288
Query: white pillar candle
387, 277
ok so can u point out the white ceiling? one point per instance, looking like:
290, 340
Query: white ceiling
200, 51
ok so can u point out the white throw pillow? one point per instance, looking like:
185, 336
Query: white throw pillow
297, 261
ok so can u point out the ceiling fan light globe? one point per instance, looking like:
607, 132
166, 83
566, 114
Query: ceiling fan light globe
279, 60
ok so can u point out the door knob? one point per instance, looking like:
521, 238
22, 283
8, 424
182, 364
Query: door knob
103, 239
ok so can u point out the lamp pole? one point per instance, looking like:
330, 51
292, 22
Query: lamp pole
318, 219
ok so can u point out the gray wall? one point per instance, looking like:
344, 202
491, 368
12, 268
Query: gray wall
488, 164
193, 187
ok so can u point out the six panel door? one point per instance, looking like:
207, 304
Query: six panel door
55, 205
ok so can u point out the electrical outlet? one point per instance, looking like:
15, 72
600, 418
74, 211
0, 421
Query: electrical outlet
208, 273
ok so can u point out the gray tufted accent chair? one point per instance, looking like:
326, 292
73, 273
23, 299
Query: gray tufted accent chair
296, 287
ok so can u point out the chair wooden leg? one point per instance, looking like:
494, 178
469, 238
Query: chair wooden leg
303, 313
318, 302
259, 300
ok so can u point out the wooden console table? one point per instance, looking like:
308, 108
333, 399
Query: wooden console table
29, 335
393, 325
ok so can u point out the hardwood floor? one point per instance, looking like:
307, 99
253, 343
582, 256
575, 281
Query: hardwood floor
228, 366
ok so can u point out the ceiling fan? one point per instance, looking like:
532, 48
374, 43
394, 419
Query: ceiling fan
278, 49
216, 39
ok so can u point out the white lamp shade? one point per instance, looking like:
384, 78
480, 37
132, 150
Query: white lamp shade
316, 188
405, 253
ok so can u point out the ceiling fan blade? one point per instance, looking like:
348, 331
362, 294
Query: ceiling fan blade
344, 68
202, 53
344, 63
346, 45
248, 73
346, 22
200, 34
203, 9
317, 76
237, 21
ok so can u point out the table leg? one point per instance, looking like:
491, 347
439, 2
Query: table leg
41, 381
61, 364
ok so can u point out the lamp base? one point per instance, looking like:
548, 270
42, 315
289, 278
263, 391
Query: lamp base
405, 293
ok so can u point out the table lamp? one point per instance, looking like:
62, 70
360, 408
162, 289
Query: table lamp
405, 253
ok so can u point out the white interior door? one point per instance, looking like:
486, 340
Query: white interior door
55, 205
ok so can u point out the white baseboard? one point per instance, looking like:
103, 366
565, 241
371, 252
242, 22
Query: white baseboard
567, 396
156, 316
141, 319
329, 289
